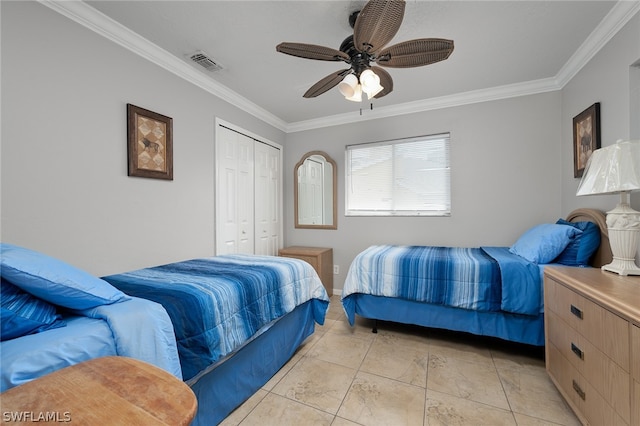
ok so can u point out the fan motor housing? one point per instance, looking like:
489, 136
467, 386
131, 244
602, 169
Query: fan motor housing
359, 60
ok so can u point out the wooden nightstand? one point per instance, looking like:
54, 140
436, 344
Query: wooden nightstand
320, 258
592, 321
112, 390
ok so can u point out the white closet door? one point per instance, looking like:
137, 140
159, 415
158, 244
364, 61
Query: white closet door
267, 199
234, 192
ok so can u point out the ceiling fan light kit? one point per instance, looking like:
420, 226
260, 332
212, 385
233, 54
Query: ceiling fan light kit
352, 87
373, 27
357, 94
348, 85
370, 83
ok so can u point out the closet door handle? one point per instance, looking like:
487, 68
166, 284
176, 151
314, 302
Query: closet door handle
576, 350
576, 311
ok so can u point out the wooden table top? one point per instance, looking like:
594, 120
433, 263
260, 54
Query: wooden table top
111, 390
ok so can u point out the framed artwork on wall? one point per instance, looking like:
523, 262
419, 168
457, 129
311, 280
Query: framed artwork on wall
149, 143
586, 137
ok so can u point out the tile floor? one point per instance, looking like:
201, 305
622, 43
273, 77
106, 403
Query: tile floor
403, 375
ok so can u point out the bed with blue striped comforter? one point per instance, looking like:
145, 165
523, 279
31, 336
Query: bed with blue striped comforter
487, 279
219, 303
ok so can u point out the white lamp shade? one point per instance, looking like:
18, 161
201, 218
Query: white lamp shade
616, 169
348, 85
612, 169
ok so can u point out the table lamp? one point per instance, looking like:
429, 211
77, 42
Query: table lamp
610, 170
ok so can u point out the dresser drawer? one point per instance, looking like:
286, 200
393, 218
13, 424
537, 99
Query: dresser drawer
606, 331
579, 393
635, 368
594, 366
635, 407
635, 343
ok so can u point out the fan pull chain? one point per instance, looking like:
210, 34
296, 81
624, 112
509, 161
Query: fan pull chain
370, 107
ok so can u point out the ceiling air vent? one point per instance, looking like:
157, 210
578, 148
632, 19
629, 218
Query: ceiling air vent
205, 61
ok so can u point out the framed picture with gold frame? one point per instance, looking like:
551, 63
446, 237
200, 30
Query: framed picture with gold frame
149, 143
586, 137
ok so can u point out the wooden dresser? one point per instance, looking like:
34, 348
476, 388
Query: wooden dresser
320, 258
592, 333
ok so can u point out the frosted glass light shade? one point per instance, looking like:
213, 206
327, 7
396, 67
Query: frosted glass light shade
348, 85
357, 94
370, 83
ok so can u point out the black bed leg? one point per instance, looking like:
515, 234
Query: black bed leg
375, 326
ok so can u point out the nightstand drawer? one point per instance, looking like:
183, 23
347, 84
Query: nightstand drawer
605, 330
594, 366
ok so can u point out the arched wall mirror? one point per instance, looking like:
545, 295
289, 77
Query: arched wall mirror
314, 193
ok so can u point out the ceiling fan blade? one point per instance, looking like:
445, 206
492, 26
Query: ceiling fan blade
329, 82
377, 23
385, 81
415, 53
312, 51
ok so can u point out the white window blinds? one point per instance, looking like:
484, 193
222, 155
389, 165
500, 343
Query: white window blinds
405, 177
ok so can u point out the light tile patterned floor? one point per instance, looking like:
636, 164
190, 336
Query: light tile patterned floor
348, 376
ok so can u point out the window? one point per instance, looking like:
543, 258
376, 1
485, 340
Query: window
404, 177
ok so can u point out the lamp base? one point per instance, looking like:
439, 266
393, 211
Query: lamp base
623, 224
622, 267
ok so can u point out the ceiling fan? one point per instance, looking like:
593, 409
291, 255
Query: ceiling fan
373, 27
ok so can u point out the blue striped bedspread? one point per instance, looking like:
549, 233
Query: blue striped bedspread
218, 303
480, 278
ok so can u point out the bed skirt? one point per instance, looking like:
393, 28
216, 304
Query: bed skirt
527, 329
236, 378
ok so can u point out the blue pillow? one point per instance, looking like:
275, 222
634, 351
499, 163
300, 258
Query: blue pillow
543, 243
22, 313
55, 281
584, 245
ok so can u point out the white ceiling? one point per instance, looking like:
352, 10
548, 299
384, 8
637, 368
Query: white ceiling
502, 48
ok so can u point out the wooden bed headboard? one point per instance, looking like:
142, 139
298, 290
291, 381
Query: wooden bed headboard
603, 256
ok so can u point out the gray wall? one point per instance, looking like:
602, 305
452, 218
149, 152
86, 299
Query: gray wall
65, 189
609, 79
505, 169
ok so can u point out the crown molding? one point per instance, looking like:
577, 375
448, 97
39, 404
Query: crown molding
618, 16
96, 21
460, 99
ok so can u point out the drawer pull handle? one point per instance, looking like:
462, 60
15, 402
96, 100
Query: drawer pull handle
575, 311
576, 350
580, 392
